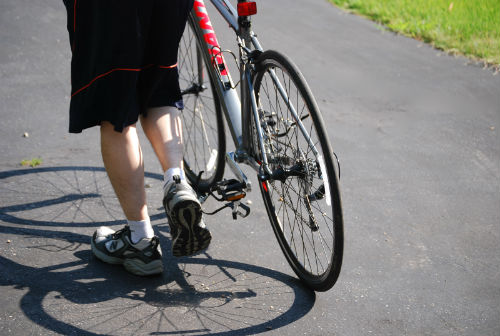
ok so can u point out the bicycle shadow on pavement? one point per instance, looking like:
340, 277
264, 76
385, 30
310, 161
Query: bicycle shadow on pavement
68, 291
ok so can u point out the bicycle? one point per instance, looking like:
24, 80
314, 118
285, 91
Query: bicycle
277, 130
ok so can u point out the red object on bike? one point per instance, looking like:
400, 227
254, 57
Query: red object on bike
264, 185
247, 8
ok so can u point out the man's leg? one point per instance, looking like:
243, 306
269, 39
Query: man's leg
122, 157
135, 246
163, 128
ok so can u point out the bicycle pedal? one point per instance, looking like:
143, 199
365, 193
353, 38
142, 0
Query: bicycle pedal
230, 190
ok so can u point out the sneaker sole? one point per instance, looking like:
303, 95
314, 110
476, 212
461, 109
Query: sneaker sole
134, 266
191, 238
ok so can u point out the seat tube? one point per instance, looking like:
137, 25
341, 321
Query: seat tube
244, 34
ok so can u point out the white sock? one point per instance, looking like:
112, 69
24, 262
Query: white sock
140, 229
170, 173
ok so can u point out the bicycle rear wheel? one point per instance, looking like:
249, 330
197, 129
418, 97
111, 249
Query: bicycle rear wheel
202, 120
302, 198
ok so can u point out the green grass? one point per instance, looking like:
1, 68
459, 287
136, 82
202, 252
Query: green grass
469, 27
32, 163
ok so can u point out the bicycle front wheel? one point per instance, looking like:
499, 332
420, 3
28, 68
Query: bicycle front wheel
302, 197
202, 120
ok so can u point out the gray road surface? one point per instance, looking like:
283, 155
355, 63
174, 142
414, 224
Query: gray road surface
418, 135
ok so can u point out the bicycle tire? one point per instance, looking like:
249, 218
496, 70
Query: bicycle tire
202, 119
308, 229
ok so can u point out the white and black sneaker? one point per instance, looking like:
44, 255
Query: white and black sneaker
142, 258
189, 233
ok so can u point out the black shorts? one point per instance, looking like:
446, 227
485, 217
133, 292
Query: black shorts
124, 58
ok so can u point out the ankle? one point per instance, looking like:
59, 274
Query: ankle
140, 229
170, 173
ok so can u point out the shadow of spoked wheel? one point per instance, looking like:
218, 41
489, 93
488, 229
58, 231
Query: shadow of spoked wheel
67, 291
210, 297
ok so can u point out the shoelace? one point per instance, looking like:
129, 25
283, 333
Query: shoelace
155, 241
118, 233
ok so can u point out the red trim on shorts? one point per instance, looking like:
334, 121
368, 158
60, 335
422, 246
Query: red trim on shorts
100, 76
120, 69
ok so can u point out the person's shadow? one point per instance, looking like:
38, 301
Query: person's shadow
83, 296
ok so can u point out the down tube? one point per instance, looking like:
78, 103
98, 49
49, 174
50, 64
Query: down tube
231, 105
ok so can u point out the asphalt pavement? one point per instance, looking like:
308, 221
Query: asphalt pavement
418, 135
